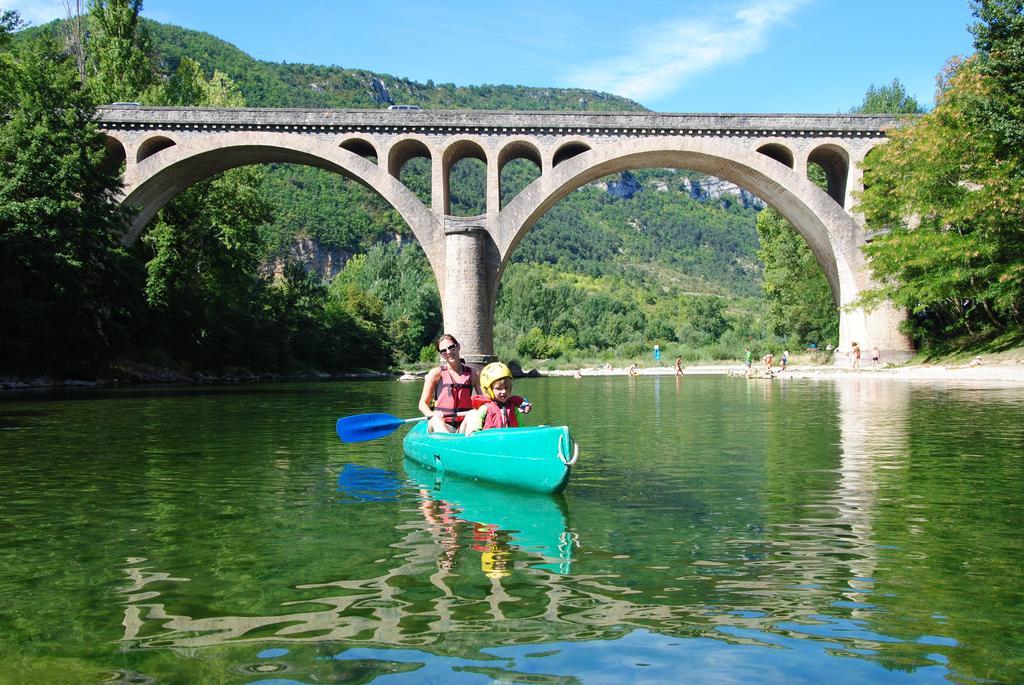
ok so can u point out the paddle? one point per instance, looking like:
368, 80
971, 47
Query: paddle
363, 427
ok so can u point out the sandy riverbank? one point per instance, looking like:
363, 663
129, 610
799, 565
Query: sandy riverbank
1001, 373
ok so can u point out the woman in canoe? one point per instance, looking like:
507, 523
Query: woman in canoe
497, 409
448, 389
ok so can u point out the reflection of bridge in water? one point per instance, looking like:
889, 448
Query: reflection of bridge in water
440, 593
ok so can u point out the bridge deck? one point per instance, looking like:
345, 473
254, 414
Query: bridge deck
560, 123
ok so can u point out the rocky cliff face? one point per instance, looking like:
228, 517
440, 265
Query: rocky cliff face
379, 92
626, 187
701, 188
326, 261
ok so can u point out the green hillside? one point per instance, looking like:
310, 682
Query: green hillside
267, 84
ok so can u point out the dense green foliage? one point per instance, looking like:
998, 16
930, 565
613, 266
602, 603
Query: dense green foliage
697, 241
889, 99
9, 22
60, 268
545, 311
397, 284
948, 193
117, 51
192, 292
800, 307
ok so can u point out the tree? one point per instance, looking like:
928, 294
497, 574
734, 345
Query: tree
949, 189
399, 279
799, 300
705, 317
999, 40
10, 21
59, 275
888, 99
118, 51
203, 278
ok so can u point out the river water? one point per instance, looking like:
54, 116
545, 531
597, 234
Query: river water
715, 530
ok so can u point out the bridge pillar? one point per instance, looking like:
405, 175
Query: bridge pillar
877, 328
471, 267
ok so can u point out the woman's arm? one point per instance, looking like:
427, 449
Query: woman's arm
429, 384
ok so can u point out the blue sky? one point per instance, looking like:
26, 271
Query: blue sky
815, 56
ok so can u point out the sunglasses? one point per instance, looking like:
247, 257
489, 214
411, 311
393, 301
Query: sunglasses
448, 350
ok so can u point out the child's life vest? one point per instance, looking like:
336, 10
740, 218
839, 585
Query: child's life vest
499, 416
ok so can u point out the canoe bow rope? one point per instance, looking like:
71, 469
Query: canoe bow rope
564, 457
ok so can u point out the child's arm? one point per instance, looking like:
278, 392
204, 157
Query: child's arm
520, 403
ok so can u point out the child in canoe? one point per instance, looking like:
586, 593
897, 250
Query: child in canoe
498, 408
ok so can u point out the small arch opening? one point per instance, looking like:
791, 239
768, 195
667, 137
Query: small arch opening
519, 165
568, 151
115, 157
835, 164
410, 162
363, 148
402, 152
465, 168
780, 153
516, 175
469, 177
153, 145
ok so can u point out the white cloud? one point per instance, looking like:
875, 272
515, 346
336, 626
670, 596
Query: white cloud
37, 12
658, 60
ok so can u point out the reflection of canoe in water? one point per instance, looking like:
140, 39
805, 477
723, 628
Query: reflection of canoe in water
536, 522
537, 458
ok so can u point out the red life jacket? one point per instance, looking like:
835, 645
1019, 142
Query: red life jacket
452, 394
502, 416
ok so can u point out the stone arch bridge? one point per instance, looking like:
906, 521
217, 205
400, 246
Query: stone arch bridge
164, 150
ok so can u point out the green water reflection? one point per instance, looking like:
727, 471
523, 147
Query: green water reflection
715, 528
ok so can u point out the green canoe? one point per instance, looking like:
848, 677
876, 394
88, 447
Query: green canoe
537, 458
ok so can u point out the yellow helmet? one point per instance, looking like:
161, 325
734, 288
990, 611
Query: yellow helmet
494, 371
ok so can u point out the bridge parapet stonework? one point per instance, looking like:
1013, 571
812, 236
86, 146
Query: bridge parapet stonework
167, 149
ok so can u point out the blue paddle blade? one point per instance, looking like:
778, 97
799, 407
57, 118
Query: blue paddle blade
363, 427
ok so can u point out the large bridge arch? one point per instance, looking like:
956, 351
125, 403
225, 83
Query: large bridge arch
833, 235
161, 176
767, 154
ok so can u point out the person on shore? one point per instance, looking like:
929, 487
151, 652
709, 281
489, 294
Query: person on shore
768, 360
875, 357
448, 389
785, 360
748, 360
632, 370
577, 374
497, 407
679, 366
855, 355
